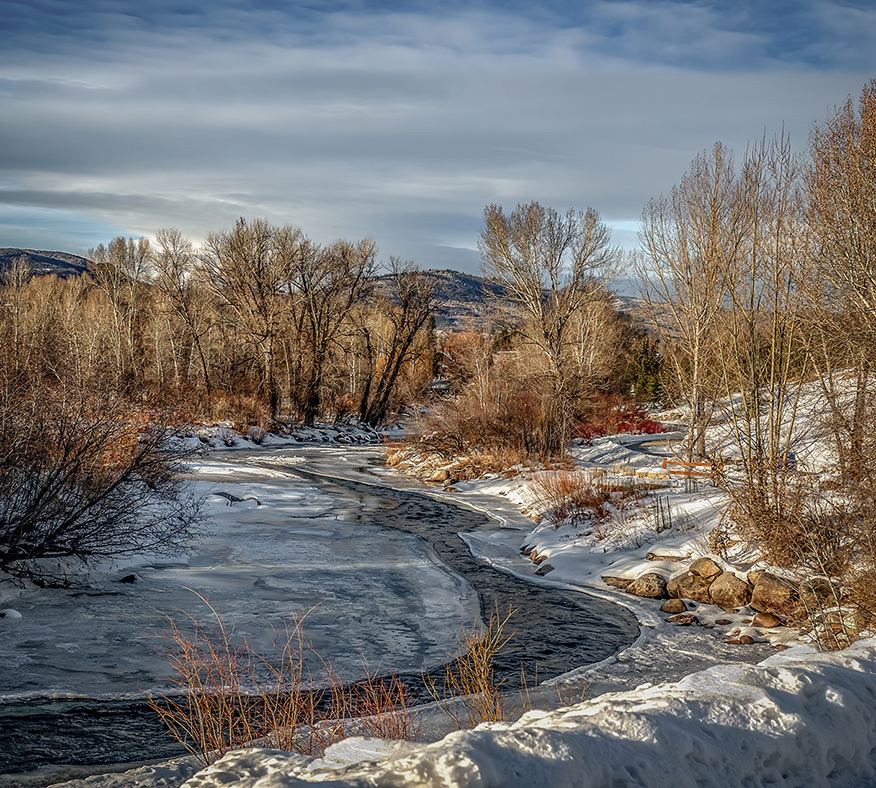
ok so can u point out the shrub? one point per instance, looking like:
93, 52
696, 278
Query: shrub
83, 477
613, 414
580, 497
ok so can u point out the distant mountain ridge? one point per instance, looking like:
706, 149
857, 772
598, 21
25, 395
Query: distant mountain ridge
462, 300
43, 263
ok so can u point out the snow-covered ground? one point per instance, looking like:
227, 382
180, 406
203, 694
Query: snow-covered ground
798, 719
680, 707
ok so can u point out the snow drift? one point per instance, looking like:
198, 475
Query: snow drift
798, 719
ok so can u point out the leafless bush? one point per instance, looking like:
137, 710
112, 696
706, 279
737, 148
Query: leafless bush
580, 497
85, 478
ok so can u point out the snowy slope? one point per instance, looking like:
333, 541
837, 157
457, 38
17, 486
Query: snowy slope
798, 719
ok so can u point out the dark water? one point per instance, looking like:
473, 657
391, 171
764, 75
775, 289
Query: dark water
553, 631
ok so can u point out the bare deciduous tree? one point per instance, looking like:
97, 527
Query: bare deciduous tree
761, 350
325, 284
386, 349
549, 264
552, 265
690, 239
249, 269
841, 186
118, 269
176, 277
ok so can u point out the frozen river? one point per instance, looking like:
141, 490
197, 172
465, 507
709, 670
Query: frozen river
381, 574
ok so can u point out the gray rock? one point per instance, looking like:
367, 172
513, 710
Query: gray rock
650, 585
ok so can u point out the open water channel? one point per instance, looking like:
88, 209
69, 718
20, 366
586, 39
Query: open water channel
381, 573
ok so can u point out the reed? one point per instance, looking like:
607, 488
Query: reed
469, 692
232, 695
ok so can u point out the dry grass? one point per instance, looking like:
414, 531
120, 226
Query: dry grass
469, 692
580, 497
234, 695
568, 693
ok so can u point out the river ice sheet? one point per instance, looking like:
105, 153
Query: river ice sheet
370, 594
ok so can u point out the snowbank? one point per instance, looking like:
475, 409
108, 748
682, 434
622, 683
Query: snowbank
797, 719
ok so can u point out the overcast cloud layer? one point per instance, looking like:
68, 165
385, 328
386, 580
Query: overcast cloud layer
398, 121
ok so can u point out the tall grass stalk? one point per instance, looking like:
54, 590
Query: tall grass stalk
469, 692
233, 695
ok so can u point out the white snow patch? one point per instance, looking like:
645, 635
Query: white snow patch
800, 718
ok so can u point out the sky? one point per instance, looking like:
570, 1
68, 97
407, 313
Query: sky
394, 120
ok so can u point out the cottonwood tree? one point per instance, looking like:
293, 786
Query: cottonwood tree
249, 269
176, 277
118, 270
14, 280
841, 188
324, 284
551, 265
389, 337
690, 240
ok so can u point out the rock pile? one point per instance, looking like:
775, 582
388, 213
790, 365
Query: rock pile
705, 581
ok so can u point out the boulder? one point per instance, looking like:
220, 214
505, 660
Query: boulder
771, 594
439, 475
728, 591
754, 575
689, 586
766, 620
617, 582
543, 569
656, 557
705, 568
650, 585
673, 606
684, 619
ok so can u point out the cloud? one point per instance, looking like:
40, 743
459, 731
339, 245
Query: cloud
398, 122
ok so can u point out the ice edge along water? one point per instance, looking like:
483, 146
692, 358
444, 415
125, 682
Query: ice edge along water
800, 718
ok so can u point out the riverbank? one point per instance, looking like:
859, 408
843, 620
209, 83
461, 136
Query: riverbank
661, 653
271, 525
799, 718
